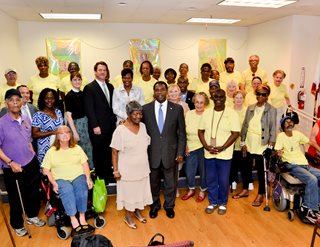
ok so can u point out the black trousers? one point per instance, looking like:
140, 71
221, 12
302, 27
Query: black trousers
170, 186
101, 154
29, 184
247, 171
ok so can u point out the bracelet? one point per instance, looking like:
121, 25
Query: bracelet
242, 144
270, 146
115, 172
9, 162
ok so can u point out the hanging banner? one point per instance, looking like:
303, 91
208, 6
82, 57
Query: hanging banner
213, 51
60, 53
144, 49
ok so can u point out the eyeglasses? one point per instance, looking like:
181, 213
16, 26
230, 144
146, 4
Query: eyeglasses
262, 94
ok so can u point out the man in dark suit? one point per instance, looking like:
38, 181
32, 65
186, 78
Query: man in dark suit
101, 120
186, 95
165, 125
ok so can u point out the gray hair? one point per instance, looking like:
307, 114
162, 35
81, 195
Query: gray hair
133, 106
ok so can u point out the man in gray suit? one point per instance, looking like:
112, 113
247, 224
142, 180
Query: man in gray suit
27, 108
166, 127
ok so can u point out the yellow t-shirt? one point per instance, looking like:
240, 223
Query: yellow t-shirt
147, 88
65, 85
65, 164
278, 95
3, 90
226, 77
37, 84
221, 130
254, 134
204, 86
291, 147
192, 123
229, 101
242, 115
247, 77
250, 99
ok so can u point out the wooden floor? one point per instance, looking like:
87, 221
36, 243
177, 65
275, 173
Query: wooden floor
243, 225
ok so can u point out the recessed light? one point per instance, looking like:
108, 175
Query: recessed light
257, 3
122, 4
191, 8
68, 16
212, 20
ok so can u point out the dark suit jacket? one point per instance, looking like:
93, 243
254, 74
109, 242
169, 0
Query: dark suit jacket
167, 146
31, 107
97, 108
189, 97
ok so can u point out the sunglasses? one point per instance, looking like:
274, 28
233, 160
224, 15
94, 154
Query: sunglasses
262, 94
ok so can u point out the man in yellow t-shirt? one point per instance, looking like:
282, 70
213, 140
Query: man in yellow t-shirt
288, 147
117, 80
11, 83
219, 127
230, 74
66, 85
251, 72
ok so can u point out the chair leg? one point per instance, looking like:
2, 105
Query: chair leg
315, 233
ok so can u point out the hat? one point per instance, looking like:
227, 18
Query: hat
283, 120
228, 60
11, 92
10, 70
214, 83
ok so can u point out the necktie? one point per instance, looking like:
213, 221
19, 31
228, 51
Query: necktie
160, 119
106, 92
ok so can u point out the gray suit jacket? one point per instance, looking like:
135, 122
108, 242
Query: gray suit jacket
31, 107
167, 146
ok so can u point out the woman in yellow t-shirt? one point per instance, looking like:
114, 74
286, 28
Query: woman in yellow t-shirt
251, 97
279, 95
67, 169
232, 88
194, 148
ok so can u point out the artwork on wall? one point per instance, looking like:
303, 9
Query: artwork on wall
144, 49
212, 51
60, 53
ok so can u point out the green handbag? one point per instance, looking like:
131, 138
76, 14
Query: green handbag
100, 195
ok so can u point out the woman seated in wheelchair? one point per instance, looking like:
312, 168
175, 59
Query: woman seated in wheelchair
288, 148
68, 171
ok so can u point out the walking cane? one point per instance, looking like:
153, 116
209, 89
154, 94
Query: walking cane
22, 206
266, 208
7, 225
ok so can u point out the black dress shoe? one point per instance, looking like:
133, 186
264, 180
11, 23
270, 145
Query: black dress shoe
153, 213
170, 213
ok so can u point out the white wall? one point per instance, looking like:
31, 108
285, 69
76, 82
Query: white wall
9, 45
109, 42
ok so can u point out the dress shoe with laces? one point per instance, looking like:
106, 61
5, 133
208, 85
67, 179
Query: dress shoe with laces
153, 213
170, 213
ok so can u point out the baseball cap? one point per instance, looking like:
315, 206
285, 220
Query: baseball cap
214, 83
12, 92
10, 70
228, 60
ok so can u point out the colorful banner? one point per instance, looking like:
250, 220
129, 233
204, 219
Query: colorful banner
144, 49
60, 53
212, 51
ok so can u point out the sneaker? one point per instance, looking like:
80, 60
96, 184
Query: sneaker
36, 221
211, 208
251, 187
21, 232
308, 214
222, 209
234, 185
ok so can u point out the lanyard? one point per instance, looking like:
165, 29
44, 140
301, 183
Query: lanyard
215, 136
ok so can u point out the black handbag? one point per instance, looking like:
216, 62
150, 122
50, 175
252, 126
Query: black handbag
153, 242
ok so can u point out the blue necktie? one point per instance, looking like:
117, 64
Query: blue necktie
160, 119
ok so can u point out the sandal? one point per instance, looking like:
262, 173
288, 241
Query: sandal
201, 198
257, 202
131, 225
239, 195
189, 194
140, 218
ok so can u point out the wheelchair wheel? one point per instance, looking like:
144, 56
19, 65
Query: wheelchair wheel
99, 222
63, 232
279, 203
290, 215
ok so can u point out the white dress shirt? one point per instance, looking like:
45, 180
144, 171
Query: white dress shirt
104, 89
164, 110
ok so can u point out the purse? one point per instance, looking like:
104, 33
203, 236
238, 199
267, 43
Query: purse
100, 195
153, 242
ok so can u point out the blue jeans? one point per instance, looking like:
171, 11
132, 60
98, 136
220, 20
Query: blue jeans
218, 172
310, 176
74, 195
194, 161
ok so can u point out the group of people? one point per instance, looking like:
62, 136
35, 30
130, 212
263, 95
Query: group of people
139, 130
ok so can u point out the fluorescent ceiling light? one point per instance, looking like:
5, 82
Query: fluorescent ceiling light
257, 3
212, 20
66, 16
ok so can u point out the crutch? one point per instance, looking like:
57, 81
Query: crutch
22, 206
266, 208
7, 225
